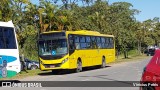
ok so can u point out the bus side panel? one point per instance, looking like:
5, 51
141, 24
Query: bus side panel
73, 58
89, 54
95, 56
88, 58
103, 53
110, 55
72, 61
82, 55
9, 64
91, 57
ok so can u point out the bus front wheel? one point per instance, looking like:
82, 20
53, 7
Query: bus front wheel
79, 66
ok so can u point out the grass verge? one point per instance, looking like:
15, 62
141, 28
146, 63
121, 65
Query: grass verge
130, 58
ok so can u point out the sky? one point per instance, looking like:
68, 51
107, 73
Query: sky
148, 8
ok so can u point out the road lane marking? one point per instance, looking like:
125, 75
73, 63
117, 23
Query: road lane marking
85, 80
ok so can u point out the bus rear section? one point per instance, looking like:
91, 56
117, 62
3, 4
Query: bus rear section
9, 54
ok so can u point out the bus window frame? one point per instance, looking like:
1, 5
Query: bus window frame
93, 39
4, 37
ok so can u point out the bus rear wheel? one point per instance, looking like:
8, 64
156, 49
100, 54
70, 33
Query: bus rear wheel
79, 66
103, 63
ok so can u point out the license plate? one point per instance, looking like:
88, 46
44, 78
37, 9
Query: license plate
52, 66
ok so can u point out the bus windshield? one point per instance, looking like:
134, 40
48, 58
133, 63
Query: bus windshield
53, 47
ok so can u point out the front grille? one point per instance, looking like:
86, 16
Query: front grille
51, 57
52, 65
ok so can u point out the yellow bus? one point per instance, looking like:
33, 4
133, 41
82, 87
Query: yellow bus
74, 50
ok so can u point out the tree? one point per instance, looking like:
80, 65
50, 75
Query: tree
5, 10
121, 20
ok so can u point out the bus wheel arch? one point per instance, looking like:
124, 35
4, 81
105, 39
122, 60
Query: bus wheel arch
79, 65
103, 64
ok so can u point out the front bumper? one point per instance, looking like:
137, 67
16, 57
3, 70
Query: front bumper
54, 64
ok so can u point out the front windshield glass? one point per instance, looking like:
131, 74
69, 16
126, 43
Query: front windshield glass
53, 47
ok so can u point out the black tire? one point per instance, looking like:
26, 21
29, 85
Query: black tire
79, 66
148, 88
33, 67
103, 63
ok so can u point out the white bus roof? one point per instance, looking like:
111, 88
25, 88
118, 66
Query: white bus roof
6, 24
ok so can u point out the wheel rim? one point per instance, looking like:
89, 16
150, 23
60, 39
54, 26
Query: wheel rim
79, 66
103, 63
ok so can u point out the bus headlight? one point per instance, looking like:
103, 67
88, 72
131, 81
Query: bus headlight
65, 60
42, 63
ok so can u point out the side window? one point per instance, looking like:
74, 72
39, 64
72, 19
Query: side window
107, 43
11, 39
111, 43
7, 38
88, 42
88, 39
93, 38
2, 43
83, 44
71, 42
103, 42
82, 39
93, 42
98, 39
76, 38
77, 41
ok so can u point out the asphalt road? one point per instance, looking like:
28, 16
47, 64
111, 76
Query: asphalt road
125, 71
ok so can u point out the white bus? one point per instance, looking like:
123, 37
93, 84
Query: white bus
9, 54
